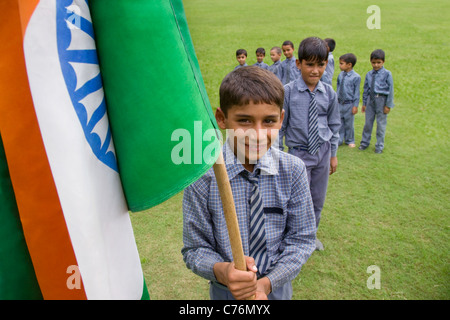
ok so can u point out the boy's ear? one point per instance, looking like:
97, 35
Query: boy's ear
221, 119
299, 64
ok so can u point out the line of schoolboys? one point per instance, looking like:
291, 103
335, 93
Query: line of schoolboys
288, 97
347, 88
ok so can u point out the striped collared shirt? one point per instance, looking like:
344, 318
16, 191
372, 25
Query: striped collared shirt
349, 92
289, 66
295, 126
289, 216
384, 84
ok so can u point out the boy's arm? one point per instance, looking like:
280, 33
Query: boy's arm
338, 82
366, 89
282, 131
390, 97
334, 122
298, 242
356, 91
199, 244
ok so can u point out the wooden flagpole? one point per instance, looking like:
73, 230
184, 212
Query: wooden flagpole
229, 211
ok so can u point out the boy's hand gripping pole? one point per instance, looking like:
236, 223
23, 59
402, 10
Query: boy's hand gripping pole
229, 211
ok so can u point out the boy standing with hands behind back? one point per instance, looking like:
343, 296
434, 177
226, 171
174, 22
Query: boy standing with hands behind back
312, 121
378, 100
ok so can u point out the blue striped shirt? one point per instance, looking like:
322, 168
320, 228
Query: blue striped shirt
349, 93
289, 216
289, 66
295, 126
384, 84
276, 68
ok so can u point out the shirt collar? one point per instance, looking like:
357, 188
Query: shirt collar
379, 71
266, 164
301, 85
349, 73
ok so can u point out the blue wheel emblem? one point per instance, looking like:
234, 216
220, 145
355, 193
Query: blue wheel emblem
80, 68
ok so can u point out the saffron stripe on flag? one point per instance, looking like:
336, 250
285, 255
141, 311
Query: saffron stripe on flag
49, 244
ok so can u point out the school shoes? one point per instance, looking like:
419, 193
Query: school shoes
361, 147
378, 151
319, 245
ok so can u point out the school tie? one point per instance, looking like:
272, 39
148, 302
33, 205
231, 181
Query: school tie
288, 72
372, 88
341, 97
257, 237
313, 138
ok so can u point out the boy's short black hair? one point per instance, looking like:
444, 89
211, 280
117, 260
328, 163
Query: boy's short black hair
288, 43
241, 51
250, 84
377, 54
331, 43
261, 50
313, 49
348, 58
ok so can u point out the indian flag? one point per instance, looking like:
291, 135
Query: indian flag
74, 76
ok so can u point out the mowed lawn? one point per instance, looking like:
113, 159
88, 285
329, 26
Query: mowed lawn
389, 210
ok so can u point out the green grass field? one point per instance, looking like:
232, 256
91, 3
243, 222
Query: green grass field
389, 210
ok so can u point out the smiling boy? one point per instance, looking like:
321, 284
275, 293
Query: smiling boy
267, 184
312, 121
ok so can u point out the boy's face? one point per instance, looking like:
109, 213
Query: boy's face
345, 66
311, 71
252, 129
377, 64
260, 57
241, 59
274, 55
288, 51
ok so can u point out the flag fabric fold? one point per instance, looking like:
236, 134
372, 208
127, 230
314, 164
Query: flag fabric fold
162, 123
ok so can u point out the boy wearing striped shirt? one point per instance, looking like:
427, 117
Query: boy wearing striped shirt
266, 183
312, 121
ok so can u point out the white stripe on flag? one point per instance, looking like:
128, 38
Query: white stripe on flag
90, 192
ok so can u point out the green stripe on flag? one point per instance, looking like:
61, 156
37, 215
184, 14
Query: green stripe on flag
17, 278
160, 116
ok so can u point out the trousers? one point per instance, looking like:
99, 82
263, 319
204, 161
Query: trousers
347, 131
374, 110
318, 169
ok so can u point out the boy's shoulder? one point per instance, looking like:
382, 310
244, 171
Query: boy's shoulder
354, 74
288, 163
327, 88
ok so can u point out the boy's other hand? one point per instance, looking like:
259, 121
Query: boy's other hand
355, 110
363, 109
386, 110
242, 284
333, 165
